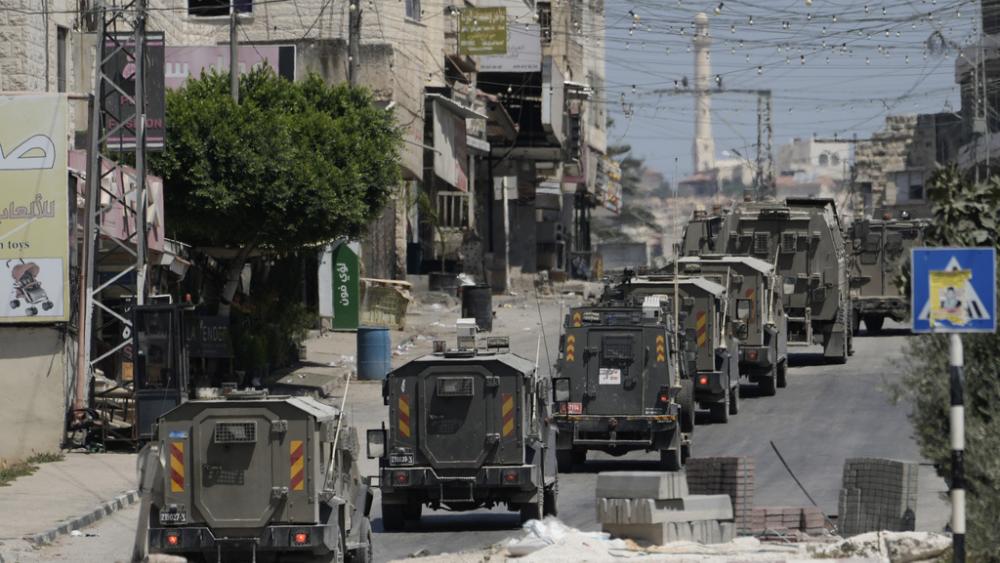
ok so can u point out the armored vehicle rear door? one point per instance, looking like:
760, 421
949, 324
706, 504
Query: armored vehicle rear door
468, 416
614, 365
235, 467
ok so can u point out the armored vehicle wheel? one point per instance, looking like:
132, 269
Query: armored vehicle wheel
671, 460
551, 500
393, 517
565, 460
766, 382
720, 411
782, 375
855, 322
533, 510
364, 553
685, 453
412, 511
873, 323
686, 400
734, 400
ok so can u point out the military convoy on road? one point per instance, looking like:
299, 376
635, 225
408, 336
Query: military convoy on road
468, 428
619, 387
879, 251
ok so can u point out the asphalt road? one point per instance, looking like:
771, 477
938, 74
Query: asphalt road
828, 413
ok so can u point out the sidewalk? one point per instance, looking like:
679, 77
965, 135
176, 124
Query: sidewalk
65, 493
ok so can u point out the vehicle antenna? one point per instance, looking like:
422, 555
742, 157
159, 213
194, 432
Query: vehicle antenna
336, 434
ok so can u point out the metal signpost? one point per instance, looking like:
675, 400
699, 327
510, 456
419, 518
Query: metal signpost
954, 291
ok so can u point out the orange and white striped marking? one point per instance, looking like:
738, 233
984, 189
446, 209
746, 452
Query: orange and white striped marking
701, 327
570, 348
404, 416
297, 473
661, 348
177, 467
507, 412
577, 319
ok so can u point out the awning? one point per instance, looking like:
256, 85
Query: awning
451, 145
456, 108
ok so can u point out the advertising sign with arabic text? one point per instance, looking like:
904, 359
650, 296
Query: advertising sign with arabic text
483, 31
34, 219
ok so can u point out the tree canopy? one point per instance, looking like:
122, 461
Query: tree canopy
293, 163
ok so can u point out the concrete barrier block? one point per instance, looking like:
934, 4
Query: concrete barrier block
649, 511
642, 485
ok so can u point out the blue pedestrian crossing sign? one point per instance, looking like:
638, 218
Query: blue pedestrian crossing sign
953, 290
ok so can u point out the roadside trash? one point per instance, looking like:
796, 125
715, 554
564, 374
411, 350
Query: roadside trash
76, 533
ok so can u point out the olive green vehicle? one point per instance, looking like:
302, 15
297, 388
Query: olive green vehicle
619, 387
880, 252
756, 314
803, 239
254, 478
468, 428
701, 234
710, 352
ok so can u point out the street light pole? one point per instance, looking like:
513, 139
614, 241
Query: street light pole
234, 65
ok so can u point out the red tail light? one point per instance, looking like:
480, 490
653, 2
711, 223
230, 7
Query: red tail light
510, 476
703, 380
401, 478
664, 397
173, 539
301, 538
752, 355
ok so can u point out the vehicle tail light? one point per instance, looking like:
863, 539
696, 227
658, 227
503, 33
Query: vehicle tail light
173, 539
664, 397
510, 476
752, 355
703, 380
301, 538
563, 409
401, 478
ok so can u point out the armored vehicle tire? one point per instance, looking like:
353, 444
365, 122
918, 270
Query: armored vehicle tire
782, 375
720, 410
686, 401
855, 322
364, 553
551, 500
671, 460
767, 384
685, 453
873, 323
393, 517
412, 511
734, 400
534, 510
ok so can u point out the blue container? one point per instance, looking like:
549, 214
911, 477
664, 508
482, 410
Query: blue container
374, 352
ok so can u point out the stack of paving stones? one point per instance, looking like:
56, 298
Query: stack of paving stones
784, 520
656, 507
733, 476
878, 494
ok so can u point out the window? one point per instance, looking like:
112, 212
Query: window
824, 159
453, 209
218, 8
413, 9
62, 34
835, 159
545, 21
909, 186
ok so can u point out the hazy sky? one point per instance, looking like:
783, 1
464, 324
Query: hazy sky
835, 67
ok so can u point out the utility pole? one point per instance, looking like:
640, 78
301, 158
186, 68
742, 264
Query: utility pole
957, 427
141, 237
234, 65
353, 42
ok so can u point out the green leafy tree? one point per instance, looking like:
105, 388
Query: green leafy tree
292, 164
965, 214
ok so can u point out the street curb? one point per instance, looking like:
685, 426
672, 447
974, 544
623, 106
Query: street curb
127, 498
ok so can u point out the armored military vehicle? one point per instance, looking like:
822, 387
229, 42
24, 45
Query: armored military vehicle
804, 240
467, 429
756, 314
701, 234
709, 351
618, 387
880, 251
254, 478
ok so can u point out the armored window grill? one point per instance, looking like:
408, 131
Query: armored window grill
616, 349
760, 243
454, 387
235, 433
788, 242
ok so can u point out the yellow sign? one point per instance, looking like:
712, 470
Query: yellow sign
34, 214
948, 298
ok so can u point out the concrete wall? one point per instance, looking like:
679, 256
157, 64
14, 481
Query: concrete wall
33, 374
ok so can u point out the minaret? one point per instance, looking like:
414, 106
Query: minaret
704, 144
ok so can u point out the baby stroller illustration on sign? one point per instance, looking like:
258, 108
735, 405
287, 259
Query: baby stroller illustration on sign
27, 288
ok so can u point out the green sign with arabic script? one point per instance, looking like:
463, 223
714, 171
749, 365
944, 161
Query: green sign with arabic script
483, 31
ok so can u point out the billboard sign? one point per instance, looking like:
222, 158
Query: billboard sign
483, 31
120, 66
524, 49
34, 214
182, 63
